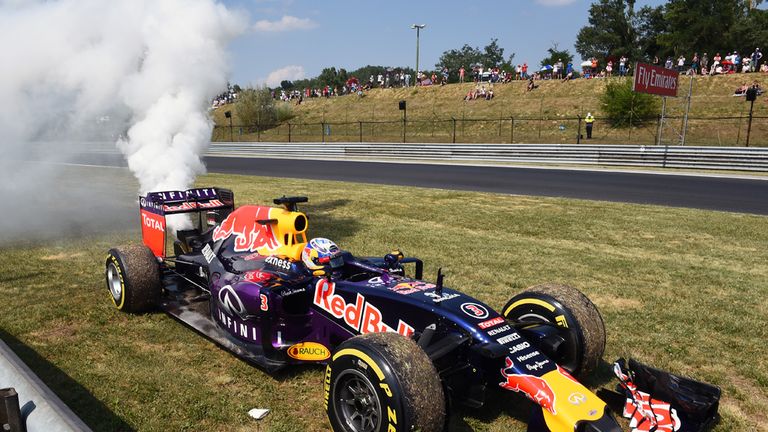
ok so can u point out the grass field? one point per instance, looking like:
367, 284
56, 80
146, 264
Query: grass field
431, 108
684, 290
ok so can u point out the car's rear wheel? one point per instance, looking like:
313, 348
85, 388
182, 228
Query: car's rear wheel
133, 278
383, 382
575, 316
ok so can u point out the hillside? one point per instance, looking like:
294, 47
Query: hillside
430, 110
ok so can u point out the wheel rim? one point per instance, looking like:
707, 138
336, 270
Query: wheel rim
113, 282
357, 404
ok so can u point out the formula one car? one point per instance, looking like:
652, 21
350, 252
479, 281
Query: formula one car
399, 351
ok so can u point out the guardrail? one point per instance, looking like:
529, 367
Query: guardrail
716, 158
33, 406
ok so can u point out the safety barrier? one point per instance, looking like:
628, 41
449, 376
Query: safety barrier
716, 158
28, 404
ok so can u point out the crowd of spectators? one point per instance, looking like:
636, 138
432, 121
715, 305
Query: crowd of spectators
485, 78
224, 98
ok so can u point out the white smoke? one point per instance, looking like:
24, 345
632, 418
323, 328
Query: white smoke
138, 73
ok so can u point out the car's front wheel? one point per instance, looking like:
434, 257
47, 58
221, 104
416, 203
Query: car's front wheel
133, 278
573, 313
383, 382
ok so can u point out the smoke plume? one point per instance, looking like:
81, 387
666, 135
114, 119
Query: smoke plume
137, 74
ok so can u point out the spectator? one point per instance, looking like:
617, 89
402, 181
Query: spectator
531, 84
408, 80
694, 64
568, 72
609, 68
622, 66
559, 66
656, 60
525, 70
668, 63
704, 63
594, 66
681, 63
461, 73
756, 56
518, 72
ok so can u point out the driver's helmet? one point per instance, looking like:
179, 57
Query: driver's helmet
320, 252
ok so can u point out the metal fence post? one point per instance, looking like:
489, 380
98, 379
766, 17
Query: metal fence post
578, 133
289, 132
322, 131
658, 130
258, 131
512, 131
453, 140
361, 130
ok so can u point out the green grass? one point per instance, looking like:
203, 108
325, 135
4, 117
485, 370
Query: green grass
684, 290
553, 101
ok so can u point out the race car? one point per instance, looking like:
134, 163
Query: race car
399, 352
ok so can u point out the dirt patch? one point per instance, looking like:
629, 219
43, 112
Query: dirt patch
56, 332
61, 256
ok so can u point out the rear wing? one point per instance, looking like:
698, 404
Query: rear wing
155, 206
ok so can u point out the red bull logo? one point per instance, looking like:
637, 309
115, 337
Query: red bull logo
535, 388
362, 316
251, 236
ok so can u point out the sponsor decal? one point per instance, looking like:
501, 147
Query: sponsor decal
264, 302
293, 291
536, 366
475, 310
411, 287
208, 253
491, 322
257, 276
502, 329
361, 316
376, 282
535, 388
577, 398
238, 327
151, 222
250, 236
309, 351
508, 338
279, 263
230, 302
437, 298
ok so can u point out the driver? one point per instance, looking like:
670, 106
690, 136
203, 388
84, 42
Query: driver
322, 257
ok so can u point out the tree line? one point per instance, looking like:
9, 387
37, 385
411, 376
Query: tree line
678, 27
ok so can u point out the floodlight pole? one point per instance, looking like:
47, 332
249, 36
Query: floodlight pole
418, 28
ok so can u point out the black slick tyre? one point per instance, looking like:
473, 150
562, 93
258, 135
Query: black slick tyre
575, 316
133, 278
382, 382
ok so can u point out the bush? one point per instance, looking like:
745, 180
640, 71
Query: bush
255, 107
284, 112
623, 106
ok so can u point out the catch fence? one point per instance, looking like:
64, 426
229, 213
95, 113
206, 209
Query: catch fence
672, 130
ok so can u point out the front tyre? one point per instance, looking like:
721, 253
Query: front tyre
573, 313
381, 382
133, 278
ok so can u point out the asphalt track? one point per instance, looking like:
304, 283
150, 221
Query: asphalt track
693, 191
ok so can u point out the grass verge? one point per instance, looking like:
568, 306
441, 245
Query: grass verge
681, 289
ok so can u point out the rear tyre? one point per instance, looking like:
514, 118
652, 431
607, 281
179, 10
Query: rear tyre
571, 311
133, 278
381, 382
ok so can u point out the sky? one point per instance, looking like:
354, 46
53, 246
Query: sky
294, 39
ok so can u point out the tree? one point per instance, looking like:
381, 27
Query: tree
255, 107
611, 31
286, 84
625, 107
491, 55
698, 26
556, 55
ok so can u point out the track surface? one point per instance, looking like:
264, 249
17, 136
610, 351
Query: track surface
705, 192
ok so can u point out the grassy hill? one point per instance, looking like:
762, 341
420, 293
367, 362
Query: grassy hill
547, 115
